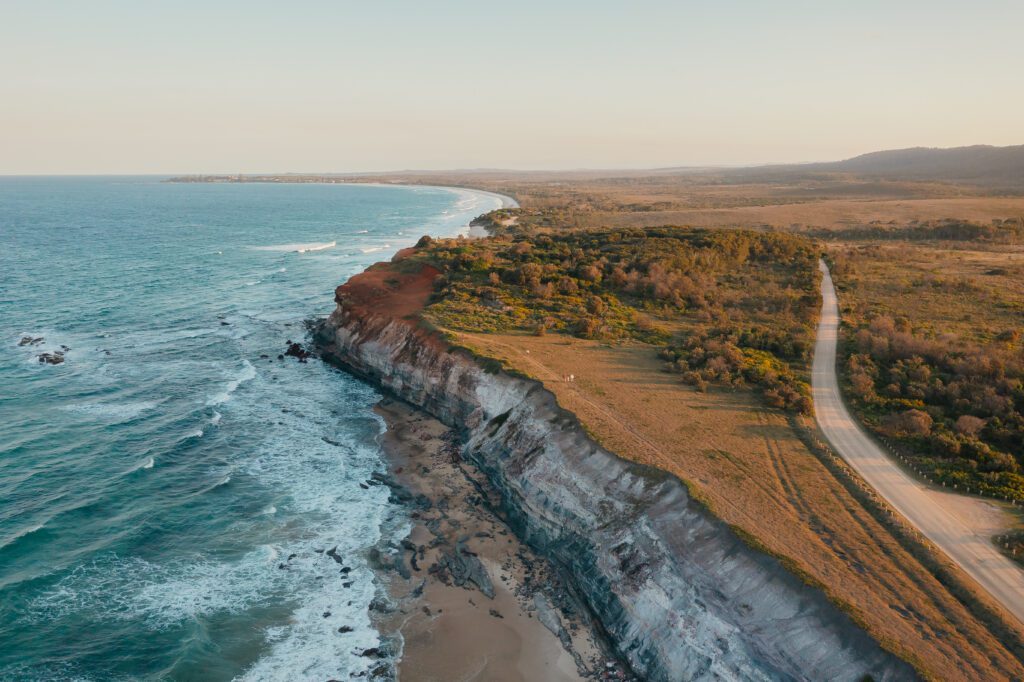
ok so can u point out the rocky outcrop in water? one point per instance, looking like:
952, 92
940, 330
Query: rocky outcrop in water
296, 350
679, 594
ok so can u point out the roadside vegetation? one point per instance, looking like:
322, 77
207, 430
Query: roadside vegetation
724, 307
932, 354
996, 231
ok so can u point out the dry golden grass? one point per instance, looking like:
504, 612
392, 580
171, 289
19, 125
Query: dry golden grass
717, 199
748, 465
825, 213
969, 291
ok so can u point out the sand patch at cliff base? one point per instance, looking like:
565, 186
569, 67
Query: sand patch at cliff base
458, 633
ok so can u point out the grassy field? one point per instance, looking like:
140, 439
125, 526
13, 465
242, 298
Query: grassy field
730, 308
792, 201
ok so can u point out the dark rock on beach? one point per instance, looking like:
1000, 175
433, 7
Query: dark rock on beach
465, 567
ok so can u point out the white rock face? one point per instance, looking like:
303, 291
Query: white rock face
679, 594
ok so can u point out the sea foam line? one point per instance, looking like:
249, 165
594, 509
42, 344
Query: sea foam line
297, 248
248, 373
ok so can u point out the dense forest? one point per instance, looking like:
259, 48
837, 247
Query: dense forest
725, 307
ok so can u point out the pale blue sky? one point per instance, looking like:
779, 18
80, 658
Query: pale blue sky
106, 86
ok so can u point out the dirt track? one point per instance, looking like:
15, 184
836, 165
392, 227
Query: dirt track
960, 526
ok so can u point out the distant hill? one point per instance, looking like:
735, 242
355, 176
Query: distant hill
997, 167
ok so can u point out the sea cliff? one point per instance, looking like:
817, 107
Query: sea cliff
678, 593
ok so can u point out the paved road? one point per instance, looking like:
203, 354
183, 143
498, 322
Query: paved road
950, 526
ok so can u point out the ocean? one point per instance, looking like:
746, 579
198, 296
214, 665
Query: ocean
171, 493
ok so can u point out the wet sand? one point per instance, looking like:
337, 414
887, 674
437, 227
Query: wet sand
458, 554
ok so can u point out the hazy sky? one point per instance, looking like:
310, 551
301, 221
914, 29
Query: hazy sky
147, 86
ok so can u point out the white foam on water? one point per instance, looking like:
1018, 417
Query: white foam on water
16, 340
321, 484
147, 463
318, 506
22, 532
66, 671
311, 648
304, 493
160, 337
247, 373
112, 412
49, 342
160, 596
297, 248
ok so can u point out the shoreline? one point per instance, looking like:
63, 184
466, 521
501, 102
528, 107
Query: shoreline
434, 622
468, 230
469, 600
506, 201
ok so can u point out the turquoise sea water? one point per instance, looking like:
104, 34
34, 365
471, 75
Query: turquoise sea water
155, 486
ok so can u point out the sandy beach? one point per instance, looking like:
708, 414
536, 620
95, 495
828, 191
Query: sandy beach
470, 602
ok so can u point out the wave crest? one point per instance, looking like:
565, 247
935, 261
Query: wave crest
297, 248
247, 374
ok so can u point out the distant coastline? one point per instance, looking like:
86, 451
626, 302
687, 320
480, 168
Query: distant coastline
506, 201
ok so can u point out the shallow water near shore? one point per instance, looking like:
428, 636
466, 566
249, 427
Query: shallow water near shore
168, 495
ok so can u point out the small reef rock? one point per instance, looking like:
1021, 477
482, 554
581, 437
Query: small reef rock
296, 350
679, 594
54, 358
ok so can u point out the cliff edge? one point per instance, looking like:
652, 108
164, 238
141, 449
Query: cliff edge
678, 592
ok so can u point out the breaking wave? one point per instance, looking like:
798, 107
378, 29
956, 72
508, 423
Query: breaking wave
297, 248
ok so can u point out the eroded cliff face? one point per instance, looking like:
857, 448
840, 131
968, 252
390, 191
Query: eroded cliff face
680, 595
